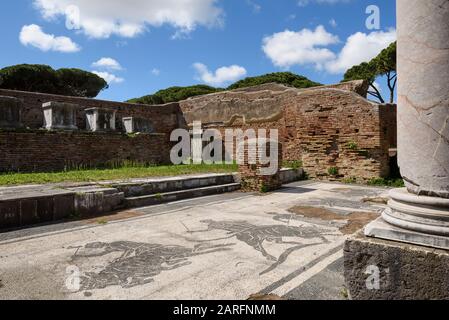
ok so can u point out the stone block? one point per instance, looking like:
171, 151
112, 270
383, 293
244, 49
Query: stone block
387, 270
98, 119
9, 214
60, 116
94, 201
10, 109
28, 212
291, 175
64, 206
45, 209
137, 125
383, 230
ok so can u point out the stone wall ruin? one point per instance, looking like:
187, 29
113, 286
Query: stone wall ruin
77, 133
334, 130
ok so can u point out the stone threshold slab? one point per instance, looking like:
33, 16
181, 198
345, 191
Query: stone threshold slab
382, 230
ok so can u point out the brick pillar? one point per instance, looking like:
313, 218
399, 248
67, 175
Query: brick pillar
256, 174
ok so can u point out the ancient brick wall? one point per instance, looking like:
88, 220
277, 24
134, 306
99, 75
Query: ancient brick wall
251, 167
343, 136
42, 151
334, 130
164, 117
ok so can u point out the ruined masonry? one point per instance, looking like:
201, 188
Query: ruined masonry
330, 129
255, 173
333, 130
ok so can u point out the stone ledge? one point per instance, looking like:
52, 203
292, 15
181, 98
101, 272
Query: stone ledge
382, 230
77, 132
406, 272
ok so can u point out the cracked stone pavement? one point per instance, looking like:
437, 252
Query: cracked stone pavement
229, 246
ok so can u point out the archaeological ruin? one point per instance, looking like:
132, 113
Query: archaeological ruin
324, 127
42, 132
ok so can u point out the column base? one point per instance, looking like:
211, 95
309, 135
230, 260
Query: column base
413, 219
383, 230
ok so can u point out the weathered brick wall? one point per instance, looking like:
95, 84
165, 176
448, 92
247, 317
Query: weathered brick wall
41, 151
251, 168
325, 127
258, 100
164, 117
331, 127
344, 133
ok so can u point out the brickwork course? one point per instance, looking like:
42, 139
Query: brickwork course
334, 130
42, 151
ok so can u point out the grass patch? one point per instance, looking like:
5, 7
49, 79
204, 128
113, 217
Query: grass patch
295, 165
264, 189
353, 145
333, 171
381, 182
352, 180
127, 172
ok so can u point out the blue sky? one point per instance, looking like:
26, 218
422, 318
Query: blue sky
142, 46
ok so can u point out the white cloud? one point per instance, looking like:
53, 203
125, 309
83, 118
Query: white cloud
289, 48
303, 3
109, 77
101, 19
221, 76
256, 7
156, 72
32, 35
108, 64
333, 23
360, 47
310, 47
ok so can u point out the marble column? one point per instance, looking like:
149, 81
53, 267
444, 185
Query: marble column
419, 213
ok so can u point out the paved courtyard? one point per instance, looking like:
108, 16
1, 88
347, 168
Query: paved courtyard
232, 246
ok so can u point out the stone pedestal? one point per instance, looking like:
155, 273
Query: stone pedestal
378, 269
10, 113
137, 125
60, 116
257, 174
100, 120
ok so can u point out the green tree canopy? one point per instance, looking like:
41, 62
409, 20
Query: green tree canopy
80, 83
286, 78
44, 79
386, 65
365, 71
175, 94
36, 78
382, 65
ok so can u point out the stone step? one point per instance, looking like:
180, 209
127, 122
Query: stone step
94, 200
146, 187
154, 199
